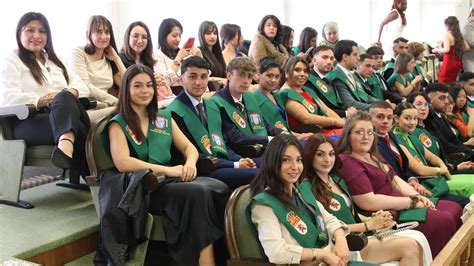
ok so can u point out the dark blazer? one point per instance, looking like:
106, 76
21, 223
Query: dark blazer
232, 135
340, 111
231, 155
439, 127
389, 71
402, 171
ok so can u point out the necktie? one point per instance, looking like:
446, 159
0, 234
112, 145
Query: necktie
379, 77
202, 114
394, 149
327, 81
241, 108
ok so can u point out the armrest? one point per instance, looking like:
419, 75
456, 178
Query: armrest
250, 151
207, 164
307, 129
456, 157
22, 111
88, 103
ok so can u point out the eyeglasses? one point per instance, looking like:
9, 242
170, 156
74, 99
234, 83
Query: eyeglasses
422, 105
362, 133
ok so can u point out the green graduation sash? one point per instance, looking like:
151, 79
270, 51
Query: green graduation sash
358, 93
290, 94
270, 111
397, 77
257, 125
389, 65
337, 206
156, 147
324, 89
429, 141
209, 140
300, 226
438, 186
470, 103
376, 87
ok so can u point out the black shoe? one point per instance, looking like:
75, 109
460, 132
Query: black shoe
60, 159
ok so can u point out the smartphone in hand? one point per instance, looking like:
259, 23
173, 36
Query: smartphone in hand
189, 43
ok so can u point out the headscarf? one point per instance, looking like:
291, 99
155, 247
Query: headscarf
329, 26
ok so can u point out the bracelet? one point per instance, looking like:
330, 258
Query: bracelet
313, 251
366, 227
46, 101
414, 200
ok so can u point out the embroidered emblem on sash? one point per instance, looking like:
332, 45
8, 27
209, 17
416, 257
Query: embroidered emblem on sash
255, 118
134, 137
321, 86
206, 142
321, 223
279, 124
161, 122
308, 106
425, 140
217, 139
296, 222
334, 205
239, 119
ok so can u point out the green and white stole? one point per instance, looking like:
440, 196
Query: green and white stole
376, 87
325, 90
437, 186
290, 94
428, 140
270, 111
257, 125
297, 222
337, 206
357, 92
209, 140
156, 147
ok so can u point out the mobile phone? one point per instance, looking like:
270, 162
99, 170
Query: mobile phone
189, 43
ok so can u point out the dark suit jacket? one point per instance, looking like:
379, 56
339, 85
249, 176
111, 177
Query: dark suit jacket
388, 73
340, 111
232, 135
439, 127
389, 94
402, 171
231, 155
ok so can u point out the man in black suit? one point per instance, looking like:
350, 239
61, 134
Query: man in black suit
200, 121
242, 122
387, 144
323, 63
438, 125
382, 118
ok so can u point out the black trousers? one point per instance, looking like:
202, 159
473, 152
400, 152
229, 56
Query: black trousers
64, 114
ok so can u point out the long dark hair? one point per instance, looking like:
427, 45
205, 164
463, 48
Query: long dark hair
269, 177
214, 56
28, 58
454, 92
147, 53
124, 106
277, 40
306, 35
320, 189
452, 24
285, 38
228, 32
166, 27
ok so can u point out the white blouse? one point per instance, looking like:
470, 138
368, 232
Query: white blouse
277, 242
97, 75
163, 66
18, 85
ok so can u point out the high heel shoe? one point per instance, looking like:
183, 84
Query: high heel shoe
60, 159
